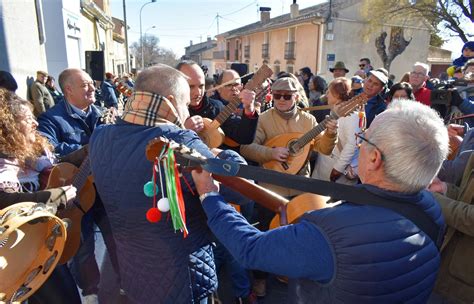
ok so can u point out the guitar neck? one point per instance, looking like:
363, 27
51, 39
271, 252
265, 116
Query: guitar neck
310, 135
264, 197
226, 112
81, 177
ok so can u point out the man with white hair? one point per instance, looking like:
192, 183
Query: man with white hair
356, 253
157, 264
418, 77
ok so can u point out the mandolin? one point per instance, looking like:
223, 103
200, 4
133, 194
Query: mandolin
287, 212
299, 144
212, 135
64, 174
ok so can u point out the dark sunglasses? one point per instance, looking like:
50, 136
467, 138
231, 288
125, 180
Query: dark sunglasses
361, 65
284, 96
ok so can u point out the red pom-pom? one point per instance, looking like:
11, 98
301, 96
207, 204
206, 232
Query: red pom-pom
153, 215
268, 98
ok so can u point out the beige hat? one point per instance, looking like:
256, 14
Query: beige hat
43, 73
285, 84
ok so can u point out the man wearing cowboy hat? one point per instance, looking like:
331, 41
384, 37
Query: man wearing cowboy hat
339, 69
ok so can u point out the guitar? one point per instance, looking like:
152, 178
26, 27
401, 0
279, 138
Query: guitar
287, 212
297, 143
63, 174
212, 135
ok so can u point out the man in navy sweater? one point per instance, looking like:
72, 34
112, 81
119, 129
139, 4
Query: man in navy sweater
354, 253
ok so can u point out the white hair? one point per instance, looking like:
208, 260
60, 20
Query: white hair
424, 66
414, 142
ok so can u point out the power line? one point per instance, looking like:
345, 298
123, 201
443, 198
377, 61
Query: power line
240, 9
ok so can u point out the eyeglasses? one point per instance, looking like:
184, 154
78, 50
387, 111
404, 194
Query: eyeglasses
361, 65
232, 85
417, 74
360, 140
284, 96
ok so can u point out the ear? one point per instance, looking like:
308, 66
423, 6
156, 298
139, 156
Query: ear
374, 160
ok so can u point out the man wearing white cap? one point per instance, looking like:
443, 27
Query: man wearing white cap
374, 85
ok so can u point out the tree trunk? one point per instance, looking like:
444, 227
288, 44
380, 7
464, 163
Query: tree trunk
398, 44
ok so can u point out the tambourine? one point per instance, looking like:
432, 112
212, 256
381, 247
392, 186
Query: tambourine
32, 240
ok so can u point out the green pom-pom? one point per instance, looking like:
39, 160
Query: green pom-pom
148, 189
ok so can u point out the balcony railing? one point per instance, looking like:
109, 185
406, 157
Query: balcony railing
265, 51
247, 51
290, 50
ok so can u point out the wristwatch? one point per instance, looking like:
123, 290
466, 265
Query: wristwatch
203, 196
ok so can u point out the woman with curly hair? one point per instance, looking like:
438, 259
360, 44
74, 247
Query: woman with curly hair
23, 155
341, 165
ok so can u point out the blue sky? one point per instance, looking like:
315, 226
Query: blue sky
176, 22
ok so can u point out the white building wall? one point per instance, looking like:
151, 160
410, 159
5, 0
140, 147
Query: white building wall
20, 50
349, 44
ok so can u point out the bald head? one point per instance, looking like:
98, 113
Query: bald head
232, 89
77, 87
196, 81
166, 81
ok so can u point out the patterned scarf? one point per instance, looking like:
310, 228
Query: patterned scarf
148, 109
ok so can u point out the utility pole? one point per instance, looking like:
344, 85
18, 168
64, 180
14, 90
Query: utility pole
127, 64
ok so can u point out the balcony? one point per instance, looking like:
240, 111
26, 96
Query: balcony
265, 51
290, 50
247, 51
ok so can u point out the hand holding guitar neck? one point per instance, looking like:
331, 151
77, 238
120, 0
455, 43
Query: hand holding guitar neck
247, 97
204, 182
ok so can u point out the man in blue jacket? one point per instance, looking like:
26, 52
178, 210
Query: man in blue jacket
354, 253
157, 264
68, 127
108, 91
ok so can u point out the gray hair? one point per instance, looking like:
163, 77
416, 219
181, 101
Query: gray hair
424, 66
65, 77
414, 142
164, 80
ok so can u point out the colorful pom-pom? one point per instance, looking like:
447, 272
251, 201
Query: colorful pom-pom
153, 215
268, 98
163, 204
150, 189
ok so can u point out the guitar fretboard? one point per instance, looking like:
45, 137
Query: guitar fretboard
84, 171
310, 135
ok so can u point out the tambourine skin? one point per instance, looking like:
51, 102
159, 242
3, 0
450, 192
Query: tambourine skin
31, 242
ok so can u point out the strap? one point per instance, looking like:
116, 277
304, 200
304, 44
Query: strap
347, 193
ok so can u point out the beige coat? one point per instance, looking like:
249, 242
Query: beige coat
456, 276
270, 124
42, 99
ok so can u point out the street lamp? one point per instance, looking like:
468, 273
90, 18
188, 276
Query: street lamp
141, 38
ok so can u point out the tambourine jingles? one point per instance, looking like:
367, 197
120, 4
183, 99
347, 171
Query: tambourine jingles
31, 242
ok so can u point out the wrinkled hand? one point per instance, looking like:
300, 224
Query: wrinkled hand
247, 97
204, 182
195, 123
331, 126
280, 154
455, 130
438, 186
334, 175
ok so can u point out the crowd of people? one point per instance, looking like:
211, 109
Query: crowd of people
404, 235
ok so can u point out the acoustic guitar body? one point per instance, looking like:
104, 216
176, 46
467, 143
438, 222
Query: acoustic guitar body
62, 175
300, 205
212, 135
295, 161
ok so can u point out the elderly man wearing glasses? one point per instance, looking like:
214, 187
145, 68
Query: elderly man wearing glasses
418, 77
356, 253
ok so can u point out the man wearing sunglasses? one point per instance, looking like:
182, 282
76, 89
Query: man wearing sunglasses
286, 117
356, 253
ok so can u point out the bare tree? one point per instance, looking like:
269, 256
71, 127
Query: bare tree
397, 45
152, 52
